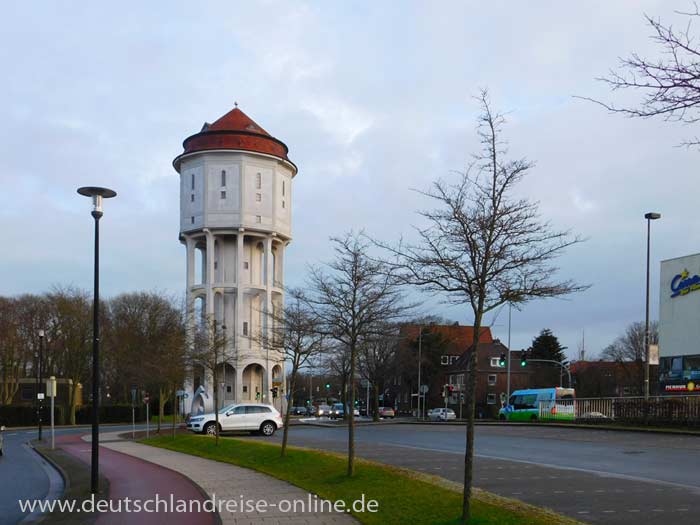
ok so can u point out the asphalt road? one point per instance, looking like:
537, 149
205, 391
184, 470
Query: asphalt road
23, 473
592, 475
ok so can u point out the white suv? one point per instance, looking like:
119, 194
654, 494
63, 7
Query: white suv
252, 417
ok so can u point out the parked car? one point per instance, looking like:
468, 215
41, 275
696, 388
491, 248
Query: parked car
2, 450
386, 412
323, 411
441, 414
311, 410
251, 417
298, 411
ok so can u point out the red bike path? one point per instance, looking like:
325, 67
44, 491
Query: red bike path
136, 479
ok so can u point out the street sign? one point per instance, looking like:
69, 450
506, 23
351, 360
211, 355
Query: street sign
424, 389
51, 387
364, 383
146, 399
653, 354
40, 396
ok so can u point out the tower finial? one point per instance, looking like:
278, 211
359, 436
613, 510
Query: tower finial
235, 104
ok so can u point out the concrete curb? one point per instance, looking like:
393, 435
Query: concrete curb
54, 492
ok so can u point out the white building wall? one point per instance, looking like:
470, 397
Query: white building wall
679, 316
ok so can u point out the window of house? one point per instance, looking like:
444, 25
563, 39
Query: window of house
258, 197
492, 379
460, 379
258, 181
192, 180
223, 194
496, 362
490, 399
245, 327
444, 359
245, 389
258, 219
223, 177
27, 392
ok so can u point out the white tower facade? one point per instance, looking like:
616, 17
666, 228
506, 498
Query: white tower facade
235, 222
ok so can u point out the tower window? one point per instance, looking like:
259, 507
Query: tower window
245, 327
282, 188
192, 220
245, 265
216, 265
223, 177
223, 194
258, 197
258, 181
192, 180
258, 219
283, 204
192, 198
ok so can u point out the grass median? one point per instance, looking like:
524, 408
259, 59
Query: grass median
404, 496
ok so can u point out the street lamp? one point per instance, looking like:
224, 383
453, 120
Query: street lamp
651, 216
97, 194
40, 378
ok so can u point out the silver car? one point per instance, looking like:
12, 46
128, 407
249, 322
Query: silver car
243, 416
2, 450
441, 414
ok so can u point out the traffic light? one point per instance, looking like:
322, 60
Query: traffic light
451, 388
328, 386
357, 402
274, 391
502, 360
445, 390
523, 358
257, 395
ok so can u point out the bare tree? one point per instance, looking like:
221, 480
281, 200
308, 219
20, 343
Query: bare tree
630, 346
294, 334
483, 248
377, 359
351, 296
670, 84
208, 348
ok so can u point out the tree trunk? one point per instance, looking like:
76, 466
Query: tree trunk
161, 406
375, 402
471, 407
174, 410
351, 421
72, 401
287, 413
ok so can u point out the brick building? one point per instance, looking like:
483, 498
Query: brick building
492, 380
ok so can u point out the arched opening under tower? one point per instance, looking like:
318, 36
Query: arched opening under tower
253, 382
226, 375
200, 264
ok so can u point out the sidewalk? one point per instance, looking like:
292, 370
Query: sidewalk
228, 481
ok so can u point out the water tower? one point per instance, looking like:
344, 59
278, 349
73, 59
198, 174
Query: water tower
235, 222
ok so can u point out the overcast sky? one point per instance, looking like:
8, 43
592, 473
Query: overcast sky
372, 98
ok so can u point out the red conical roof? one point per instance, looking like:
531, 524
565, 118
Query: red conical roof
234, 131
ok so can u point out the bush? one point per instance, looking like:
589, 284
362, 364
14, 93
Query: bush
25, 415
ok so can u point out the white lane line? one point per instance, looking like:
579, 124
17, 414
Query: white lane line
657, 510
608, 512
583, 512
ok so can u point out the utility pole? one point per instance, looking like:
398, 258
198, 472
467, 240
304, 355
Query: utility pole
420, 344
510, 308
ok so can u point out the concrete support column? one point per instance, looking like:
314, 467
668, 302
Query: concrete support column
239, 294
238, 385
267, 319
209, 284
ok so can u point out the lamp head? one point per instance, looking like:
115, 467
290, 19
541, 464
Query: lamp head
41, 334
652, 216
97, 193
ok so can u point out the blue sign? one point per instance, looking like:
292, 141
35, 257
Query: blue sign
683, 284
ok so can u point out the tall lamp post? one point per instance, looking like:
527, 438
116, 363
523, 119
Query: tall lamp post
97, 194
40, 377
651, 216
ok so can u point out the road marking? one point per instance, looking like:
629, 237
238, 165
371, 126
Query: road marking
608, 512
632, 510
583, 512
559, 492
657, 510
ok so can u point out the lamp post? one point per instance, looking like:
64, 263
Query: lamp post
420, 358
97, 194
651, 216
40, 385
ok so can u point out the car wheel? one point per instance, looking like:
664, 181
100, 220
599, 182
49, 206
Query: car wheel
210, 429
268, 428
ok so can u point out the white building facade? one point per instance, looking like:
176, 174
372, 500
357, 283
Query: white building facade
679, 325
235, 222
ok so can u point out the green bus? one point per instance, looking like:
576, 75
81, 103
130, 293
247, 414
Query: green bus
539, 403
